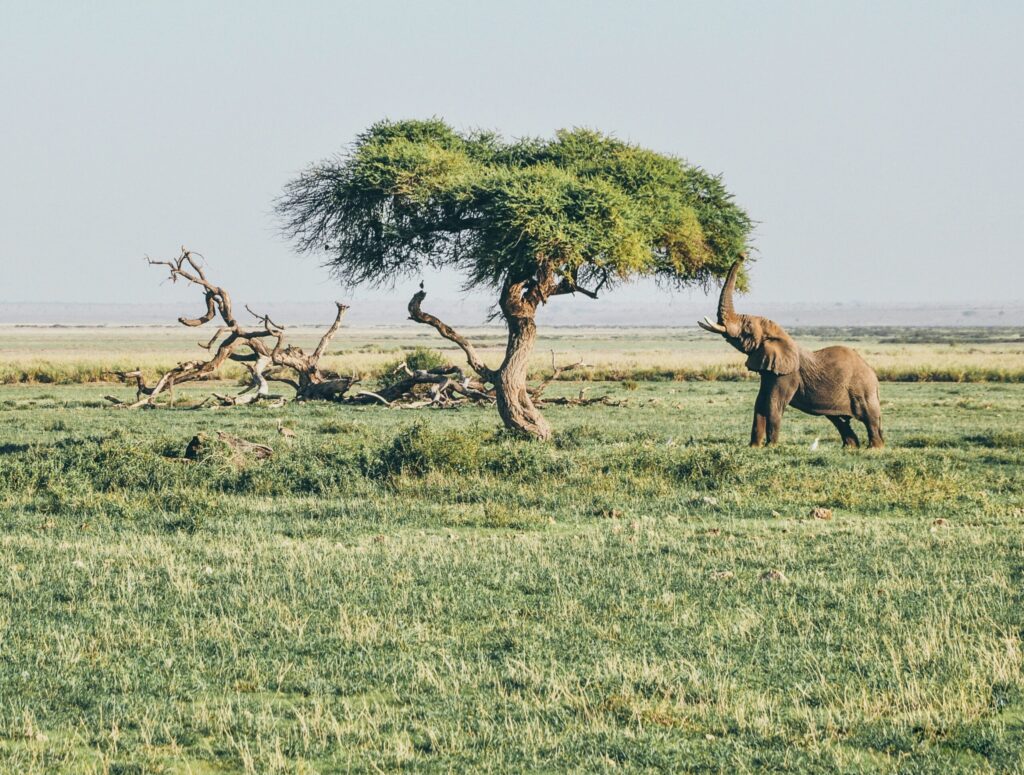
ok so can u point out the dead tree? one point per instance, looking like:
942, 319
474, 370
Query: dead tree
262, 350
447, 386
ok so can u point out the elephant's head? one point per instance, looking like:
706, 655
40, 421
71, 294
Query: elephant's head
767, 345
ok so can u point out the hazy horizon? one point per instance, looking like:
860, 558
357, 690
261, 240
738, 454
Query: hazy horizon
876, 145
473, 311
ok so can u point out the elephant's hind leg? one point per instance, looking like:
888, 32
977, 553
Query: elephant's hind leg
843, 426
872, 420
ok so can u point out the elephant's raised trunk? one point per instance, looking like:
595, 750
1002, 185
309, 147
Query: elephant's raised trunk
725, 308
726, 314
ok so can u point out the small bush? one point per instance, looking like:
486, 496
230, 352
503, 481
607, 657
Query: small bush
930, 442
332, 427
524, 461
419, 358
579, 435
421, 449
1011, 439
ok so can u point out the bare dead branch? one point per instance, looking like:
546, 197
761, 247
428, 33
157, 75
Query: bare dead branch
374, 396
556, 372
325, 340
416, 313
247, 346
570, 284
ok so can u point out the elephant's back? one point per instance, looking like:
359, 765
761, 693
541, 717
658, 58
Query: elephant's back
839, 353
839, 359
835, 381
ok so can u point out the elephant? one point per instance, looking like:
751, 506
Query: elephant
834, 381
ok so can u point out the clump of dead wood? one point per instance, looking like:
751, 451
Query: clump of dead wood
263, 349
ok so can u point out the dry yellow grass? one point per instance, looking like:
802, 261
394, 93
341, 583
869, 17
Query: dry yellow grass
69, 355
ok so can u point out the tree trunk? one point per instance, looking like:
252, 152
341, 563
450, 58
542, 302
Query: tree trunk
514, 403
519, 301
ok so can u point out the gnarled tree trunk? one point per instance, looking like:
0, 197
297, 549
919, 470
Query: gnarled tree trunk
519, 302
515, 405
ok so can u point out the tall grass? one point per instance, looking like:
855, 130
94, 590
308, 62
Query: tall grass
90, 372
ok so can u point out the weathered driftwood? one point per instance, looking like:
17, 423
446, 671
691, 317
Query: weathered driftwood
446, 386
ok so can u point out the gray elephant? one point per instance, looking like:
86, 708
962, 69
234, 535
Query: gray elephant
834, 381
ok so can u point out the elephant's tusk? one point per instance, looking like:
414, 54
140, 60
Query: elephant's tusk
710, 326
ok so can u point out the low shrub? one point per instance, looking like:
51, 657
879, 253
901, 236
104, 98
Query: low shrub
418, 358
420, 449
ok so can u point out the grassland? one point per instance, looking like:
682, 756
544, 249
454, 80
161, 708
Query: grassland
416, 591
63, 355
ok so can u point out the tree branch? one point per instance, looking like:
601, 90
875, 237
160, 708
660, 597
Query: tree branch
569, 284
449, 333
325, 340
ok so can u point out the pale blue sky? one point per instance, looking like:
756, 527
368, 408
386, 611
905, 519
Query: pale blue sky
879, 144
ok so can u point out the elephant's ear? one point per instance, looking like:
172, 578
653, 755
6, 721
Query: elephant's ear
779, 355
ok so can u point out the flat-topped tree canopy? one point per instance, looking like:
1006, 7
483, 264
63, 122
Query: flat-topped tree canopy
584, 205
531, 218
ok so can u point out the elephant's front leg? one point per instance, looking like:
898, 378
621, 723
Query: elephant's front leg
757, 433
773, 398
762, 407
775, 424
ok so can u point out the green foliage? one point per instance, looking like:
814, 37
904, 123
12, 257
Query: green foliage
701, 468
418, 358
583, 204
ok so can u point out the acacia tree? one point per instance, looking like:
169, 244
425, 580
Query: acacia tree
530, 219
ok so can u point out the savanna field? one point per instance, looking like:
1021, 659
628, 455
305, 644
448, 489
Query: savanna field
417, 590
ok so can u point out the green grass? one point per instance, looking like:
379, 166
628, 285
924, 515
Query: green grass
416, 590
